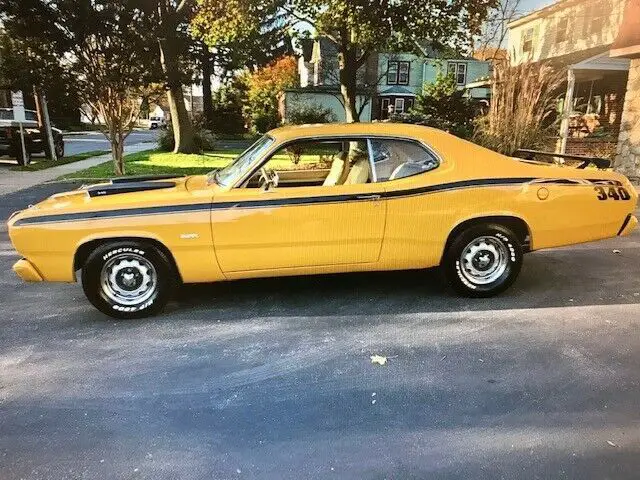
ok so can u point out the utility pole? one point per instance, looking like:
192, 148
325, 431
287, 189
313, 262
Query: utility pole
36, 97
47, 127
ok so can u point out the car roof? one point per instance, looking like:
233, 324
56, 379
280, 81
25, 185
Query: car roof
402, 130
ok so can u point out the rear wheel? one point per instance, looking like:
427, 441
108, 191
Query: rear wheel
128, 279
483, 260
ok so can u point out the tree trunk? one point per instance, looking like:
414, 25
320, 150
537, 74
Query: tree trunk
182, 127
207, 101
348, 82
116, 138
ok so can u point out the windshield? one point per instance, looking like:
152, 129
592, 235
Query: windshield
232, 172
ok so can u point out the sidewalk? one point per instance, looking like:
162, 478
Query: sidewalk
13, 181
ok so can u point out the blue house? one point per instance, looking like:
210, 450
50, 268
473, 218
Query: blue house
389, 82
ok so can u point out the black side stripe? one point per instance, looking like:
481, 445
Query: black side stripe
275, 202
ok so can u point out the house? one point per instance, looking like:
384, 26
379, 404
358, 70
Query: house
576, 36
627, 45
388, 82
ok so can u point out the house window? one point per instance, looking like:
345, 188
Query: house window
398, 73
399, 105
409, 104
595, 18
561, 30
384, 109
459, 71
527, 40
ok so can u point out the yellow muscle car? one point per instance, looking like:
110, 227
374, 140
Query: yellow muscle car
319, 199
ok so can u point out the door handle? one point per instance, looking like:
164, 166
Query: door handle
374, 196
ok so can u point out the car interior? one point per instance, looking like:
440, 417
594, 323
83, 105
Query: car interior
341, 162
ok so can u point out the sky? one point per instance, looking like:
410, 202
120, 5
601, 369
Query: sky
528, 5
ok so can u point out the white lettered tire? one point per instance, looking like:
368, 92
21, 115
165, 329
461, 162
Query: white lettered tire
483, 260
128, 279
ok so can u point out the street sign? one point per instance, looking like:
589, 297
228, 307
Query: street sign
16, 99
18, 106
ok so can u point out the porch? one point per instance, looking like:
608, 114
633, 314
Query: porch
592, 106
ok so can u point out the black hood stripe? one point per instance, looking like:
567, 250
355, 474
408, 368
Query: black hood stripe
279, 202
127, 187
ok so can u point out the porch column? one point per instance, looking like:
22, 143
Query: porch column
627, 159
566, 110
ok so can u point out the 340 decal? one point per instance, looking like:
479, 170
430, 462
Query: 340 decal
615, 193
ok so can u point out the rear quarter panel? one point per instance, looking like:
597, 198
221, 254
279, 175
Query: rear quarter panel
557, 213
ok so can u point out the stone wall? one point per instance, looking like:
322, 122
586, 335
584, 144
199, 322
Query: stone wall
628, 149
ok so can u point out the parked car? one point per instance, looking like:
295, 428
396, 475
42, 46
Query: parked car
35, 140
156, 122
319, 199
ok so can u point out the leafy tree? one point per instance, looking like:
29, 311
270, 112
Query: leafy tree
168, 22
358, 27
227, 116
252, 46
441, 104
263, 89
100, 44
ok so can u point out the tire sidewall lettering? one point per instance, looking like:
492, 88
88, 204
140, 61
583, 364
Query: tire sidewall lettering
128, 308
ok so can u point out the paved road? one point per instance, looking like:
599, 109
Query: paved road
75, 144
272, 378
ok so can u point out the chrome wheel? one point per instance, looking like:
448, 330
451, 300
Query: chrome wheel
484, 260
128, 279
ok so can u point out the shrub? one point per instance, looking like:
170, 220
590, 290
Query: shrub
204, 139
263, 89
441, 105
523, 98
227, 107
313, 113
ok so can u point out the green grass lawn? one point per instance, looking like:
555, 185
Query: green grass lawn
179, 164
157, 163
43, 163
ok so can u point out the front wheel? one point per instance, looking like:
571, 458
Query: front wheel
483, 260
128, 279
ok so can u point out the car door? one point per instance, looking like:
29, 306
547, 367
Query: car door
298, 225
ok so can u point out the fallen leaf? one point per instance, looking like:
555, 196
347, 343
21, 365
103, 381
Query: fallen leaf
379, 359
611, 443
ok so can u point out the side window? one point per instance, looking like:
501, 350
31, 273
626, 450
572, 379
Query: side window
394, 159
318, 163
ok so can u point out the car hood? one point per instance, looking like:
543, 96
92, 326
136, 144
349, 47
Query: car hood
120, 194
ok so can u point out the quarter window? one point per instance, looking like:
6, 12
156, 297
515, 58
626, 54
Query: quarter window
394, 159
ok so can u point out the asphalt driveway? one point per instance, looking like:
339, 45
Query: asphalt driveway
272, 378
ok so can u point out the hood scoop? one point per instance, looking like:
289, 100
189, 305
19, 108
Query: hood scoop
127, 187
143, 178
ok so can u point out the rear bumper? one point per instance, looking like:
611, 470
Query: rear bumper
26, 271
629, 225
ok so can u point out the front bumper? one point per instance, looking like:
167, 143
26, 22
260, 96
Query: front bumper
26, 271
629, 225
